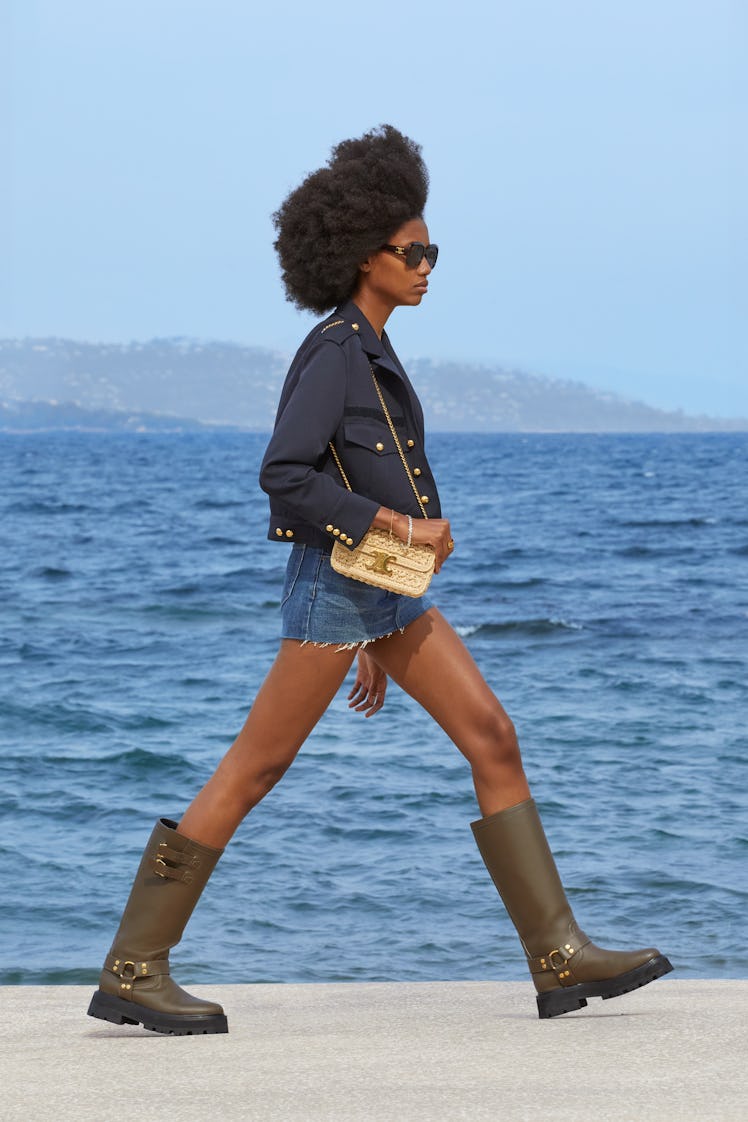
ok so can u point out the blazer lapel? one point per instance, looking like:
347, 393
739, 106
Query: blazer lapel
370, 341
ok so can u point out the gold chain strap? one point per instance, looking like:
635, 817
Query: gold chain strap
395, 438
340, 466
397, 441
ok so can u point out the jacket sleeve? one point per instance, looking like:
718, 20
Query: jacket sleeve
306, 423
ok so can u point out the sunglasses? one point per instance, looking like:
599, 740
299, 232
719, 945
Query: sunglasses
414, 253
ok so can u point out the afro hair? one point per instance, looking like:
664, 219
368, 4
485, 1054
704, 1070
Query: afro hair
344, 212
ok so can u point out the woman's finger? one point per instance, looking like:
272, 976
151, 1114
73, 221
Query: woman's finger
376, 706
367, 694
373, 700
359, 691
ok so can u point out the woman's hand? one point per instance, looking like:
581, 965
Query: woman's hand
367, 695
426, 531
435, 532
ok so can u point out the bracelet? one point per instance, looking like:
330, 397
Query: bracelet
410, 532
392, 519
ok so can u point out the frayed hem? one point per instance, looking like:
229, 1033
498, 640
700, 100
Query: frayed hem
351, 646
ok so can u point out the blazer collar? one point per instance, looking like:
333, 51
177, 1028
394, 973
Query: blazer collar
370, 341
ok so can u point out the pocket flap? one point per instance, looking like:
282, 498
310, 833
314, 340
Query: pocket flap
368, 434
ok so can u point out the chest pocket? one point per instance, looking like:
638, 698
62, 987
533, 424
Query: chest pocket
370, 456
370, 435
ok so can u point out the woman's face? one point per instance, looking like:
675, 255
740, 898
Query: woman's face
386, 276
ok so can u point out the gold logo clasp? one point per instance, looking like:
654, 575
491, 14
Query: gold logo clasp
380, 563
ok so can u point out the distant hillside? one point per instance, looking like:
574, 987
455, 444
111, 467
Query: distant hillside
211, 383
36, 416
180, 383
472, 398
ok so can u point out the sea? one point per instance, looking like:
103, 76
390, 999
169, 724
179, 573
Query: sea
601, 584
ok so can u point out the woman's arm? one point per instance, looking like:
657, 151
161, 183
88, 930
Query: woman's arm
307, 420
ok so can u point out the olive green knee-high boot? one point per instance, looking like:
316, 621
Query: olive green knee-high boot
135, 986
565, 965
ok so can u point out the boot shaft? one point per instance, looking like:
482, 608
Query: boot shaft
171, 876
516, 853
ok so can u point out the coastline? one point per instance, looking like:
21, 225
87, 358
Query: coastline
384, 1052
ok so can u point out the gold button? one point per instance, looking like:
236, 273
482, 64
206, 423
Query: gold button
380, 446
278, 531
349, 541
289, 533
328, 527
354, 326
411, 443
336, 531
424, 498
416, 471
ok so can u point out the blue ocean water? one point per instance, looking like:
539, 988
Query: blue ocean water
601, 583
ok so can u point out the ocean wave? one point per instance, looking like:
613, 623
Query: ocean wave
218, 504
195, 613
106, 756
48, 976
539, 626
65, 718
650, 551
39, 506
666, 523
49, 572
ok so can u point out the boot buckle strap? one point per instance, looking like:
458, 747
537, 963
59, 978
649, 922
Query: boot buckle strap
556, 960
165, 854
128, 971
178, 856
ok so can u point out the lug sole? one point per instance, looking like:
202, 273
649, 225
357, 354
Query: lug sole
119, 1012
566, 1000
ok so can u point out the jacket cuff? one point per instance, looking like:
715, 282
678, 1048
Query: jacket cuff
350, 518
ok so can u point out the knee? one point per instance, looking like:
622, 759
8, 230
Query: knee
254, 783
246, 785
495, 739
272, 773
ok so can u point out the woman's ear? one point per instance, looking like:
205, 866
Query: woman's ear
365, 266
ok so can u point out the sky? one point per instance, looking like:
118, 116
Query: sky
589, 175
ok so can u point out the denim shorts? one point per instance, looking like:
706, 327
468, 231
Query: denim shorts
321, 606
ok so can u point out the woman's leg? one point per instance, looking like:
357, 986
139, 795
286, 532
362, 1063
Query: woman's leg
301, 683
135, 985
431, 663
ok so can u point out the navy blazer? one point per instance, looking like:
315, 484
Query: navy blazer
329, 395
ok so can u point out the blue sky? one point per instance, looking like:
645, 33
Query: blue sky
588, 169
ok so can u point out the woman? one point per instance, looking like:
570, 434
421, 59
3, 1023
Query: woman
353, 237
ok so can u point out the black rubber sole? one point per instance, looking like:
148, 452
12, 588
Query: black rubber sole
120, 1012
559, 1001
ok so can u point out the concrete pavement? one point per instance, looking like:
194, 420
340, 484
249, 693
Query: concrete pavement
384, 1052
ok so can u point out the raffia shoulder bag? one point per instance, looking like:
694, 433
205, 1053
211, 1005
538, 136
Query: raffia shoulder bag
381, 559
